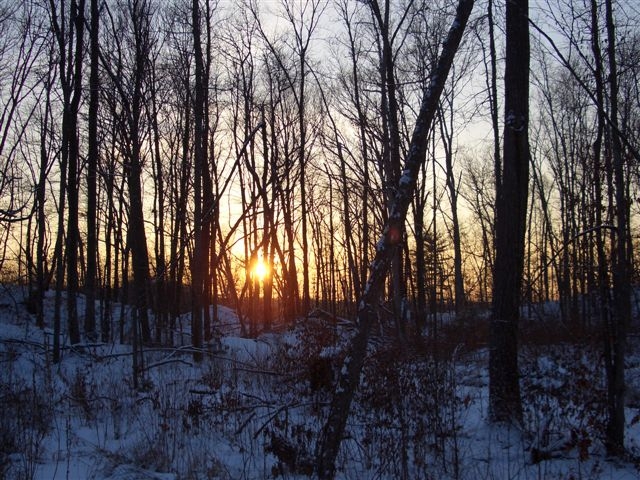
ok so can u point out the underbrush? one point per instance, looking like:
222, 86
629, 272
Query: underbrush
26, 419
410, 408
564, 399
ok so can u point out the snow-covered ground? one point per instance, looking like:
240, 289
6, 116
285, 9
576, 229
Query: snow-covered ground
252, 409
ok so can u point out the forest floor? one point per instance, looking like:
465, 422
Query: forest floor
252, 409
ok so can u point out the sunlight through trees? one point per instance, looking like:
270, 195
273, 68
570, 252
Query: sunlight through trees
401, 167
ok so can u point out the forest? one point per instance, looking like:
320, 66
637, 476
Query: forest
327, 238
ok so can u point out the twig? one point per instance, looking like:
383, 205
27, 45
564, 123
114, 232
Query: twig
165, 362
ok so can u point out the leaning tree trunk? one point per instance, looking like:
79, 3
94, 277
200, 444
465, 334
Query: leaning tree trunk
331, 435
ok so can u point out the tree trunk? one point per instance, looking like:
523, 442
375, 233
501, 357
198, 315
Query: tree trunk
70, 127
136, 234
619, 324
420, 261
200, 254
161, 304
603, 272
267, 177
92, 164
511, 209
70, 74
41, 216
493, 98
446, 133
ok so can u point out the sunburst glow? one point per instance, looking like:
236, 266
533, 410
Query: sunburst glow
260, 270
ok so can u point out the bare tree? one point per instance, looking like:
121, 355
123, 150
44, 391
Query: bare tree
391, 132
25, 83
616, 345
200, 227
609, 186
128, 72
69, 38
303, 19
23, 44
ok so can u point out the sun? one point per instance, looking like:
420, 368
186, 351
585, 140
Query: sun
260, 270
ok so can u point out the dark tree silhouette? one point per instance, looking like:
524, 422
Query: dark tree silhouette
92, 165
511, 209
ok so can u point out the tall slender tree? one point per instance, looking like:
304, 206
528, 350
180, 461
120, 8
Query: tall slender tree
69, 38
617, 331
92, 167
200, 253
126, 62
391, 142
505, 404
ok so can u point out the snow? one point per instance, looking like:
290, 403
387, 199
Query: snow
255, 407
